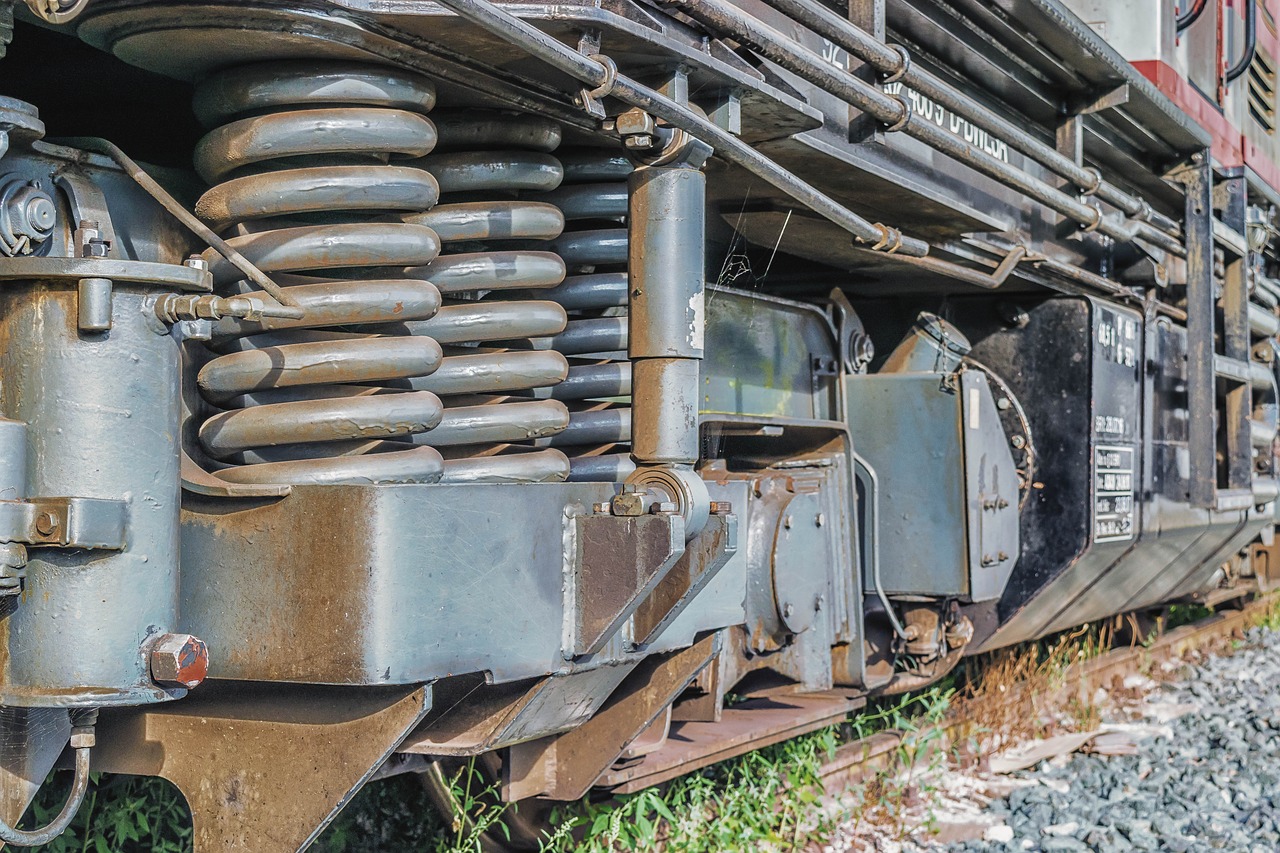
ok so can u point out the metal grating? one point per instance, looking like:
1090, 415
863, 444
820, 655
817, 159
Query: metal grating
1262, 90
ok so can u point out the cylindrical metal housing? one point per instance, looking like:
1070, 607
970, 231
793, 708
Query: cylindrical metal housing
13, 460
102, 414
666, 310
667, 258
664, 403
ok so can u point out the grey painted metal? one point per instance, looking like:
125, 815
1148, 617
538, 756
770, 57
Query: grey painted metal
667, 222
667, 327
664, 402
898, 115
893, 61
94, 304
1201, 439
959, 477
283, 138
870, 531
102, 411
727, 146
418, 599
768, 357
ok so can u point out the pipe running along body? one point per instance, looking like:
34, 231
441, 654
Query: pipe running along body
727, 146
894, 63
896, 114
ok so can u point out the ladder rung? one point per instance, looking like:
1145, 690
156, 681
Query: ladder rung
1226, 501
1229, 238
1232, 369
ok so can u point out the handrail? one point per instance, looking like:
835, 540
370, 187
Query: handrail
1189, 17
1250, 42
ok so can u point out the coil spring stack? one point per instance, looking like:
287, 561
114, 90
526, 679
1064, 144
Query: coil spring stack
408, 346
593, 199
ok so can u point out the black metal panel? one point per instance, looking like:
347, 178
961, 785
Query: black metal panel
1074, 365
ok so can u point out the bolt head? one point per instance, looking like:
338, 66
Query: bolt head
179, 660
638, 142
635, 121
46, 523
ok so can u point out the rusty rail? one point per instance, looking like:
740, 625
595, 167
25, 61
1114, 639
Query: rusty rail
860, 759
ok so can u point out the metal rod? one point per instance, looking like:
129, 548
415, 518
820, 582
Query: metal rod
727, 146
897, 115
969, 275
47, 833
187, 218
871, 483
895, 63
1096, 282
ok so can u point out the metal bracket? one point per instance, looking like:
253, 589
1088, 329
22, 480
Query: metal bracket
90, 523
565, 767
1100, 101
703, 558
614, 563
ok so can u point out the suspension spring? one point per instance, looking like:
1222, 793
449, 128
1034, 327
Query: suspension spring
493, 169
593, 199
404, 367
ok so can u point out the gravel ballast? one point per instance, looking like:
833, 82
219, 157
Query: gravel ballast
1205, 776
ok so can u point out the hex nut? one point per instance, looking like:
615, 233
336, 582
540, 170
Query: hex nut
179, 660
46, 523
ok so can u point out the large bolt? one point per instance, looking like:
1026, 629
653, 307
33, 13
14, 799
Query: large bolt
179, 660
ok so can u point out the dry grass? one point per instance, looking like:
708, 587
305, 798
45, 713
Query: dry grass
1031, 690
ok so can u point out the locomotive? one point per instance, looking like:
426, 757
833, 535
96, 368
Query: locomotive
392, 384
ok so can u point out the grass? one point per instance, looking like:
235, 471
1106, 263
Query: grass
1009, 694
769, 800
121, 814
765, 800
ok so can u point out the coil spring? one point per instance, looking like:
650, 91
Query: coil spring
593, 200
328, 177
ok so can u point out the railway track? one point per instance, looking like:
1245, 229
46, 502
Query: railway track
860, 759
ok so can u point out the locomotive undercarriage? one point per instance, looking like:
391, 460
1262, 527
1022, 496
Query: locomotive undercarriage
522, 398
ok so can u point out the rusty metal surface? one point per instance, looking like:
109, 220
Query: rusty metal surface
752, 724
470, 717
618, 562
263, 768
566, 767
703, 557
381, 584
102, 414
